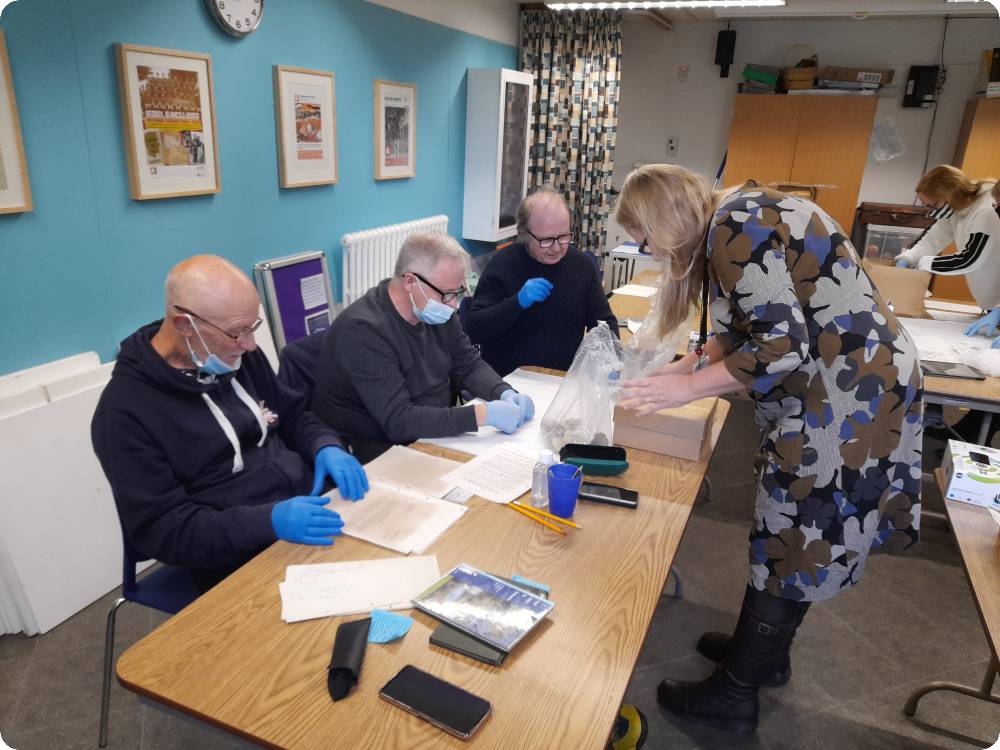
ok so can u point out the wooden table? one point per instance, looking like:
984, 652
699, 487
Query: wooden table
977, 535
229, 660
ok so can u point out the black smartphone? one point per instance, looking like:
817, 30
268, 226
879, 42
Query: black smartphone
444, 705
604, 493
592, 452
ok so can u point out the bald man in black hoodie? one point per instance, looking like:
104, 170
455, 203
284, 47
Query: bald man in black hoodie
209, 457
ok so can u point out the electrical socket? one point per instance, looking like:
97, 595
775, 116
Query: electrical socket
673, 142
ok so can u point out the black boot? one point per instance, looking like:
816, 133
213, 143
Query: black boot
713, 646
728, 699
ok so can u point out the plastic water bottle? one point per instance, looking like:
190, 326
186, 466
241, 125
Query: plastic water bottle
540, 479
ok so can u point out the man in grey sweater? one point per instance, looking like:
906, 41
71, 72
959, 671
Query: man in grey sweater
394, 360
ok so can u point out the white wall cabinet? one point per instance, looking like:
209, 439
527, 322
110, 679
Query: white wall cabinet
496, 151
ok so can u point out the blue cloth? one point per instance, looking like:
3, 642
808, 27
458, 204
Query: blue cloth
388, 626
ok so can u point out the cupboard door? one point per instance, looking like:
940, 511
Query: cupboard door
762, 138
832, 149
980, 157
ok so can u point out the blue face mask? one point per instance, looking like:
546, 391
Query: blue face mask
434, 313
213, 364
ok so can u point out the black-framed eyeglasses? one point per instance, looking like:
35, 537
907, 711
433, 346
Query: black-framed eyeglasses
546, 242
644, 248
446, 297
242, 334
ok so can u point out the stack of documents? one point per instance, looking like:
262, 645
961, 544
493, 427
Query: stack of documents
944, 341
501, 474
636, 290
347, 588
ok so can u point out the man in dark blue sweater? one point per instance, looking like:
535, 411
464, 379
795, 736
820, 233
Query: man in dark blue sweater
210, 458
537, 297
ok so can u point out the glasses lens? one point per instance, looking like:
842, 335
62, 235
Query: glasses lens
564, 239
546, 242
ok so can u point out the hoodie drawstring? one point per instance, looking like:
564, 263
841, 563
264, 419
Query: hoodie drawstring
227, 427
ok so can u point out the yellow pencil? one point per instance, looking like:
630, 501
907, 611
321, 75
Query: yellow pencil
541, 512
536, 519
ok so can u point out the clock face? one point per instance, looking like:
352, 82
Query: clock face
236, 17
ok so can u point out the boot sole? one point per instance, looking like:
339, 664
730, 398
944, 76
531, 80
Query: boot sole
741, 728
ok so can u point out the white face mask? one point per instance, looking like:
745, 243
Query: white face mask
212, 364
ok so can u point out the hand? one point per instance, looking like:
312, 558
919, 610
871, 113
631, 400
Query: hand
684, 365
304, 520
903, 263
503, 415
523, 402
995, 344
343, 469
986, 325
647, 395
534, 290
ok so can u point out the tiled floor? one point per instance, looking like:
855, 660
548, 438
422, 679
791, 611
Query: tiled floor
856, 658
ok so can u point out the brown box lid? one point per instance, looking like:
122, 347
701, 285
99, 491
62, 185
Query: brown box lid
689, 421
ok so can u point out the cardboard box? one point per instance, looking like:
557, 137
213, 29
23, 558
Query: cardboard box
857, 75
903, 289
972, 474
679, 432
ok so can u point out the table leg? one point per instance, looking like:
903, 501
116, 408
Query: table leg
984, 427
985, 691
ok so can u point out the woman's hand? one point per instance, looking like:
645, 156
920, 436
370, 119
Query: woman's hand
647, 395
685, 364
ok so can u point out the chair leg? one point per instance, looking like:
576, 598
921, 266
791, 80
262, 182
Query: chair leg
109, 652
678, 586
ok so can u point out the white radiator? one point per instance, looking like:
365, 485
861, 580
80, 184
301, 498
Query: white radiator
370, 256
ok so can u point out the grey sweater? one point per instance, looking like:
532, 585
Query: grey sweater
382, 380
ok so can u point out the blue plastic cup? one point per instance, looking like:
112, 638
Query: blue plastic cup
564, 486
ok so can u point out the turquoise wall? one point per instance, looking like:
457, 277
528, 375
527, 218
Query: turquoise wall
86, 268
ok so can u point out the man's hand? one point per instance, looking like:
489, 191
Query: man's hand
304, 520
343, 469
522, 401
534, 290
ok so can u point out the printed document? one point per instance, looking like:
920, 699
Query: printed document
500, 475
413, 470
636, 290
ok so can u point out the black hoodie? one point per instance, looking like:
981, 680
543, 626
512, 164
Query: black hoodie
193, 477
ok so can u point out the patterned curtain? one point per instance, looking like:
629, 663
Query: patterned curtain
575, 60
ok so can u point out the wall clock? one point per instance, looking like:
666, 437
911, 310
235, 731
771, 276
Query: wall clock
239, 18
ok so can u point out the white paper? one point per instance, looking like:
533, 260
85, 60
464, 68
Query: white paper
633, 325
943, 340
499, 475
413, 470
541, 388
345, 588
636, 290
957, 307
313, 291
395, 518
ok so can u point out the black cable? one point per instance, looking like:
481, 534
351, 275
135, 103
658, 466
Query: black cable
937, 93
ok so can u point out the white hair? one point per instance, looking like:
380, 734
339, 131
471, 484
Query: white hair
421, 253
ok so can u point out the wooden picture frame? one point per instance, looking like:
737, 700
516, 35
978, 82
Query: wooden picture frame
395, 130
15, 189
168, 122
305, 112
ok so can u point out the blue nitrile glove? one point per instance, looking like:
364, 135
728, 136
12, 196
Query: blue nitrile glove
523, 401
304, 520
534, 290
986, 325
343, 469
503, 415
903, 263
995, 344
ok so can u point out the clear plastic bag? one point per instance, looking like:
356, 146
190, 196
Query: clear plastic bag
648, 349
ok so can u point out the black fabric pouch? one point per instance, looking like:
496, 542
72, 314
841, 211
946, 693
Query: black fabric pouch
348, 653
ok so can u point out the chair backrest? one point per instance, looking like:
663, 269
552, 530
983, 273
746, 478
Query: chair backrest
299, 361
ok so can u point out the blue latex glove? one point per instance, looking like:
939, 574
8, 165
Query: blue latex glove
343, 469
523, 401
534, 290
903, 263
503, 415
986, 325
304, 520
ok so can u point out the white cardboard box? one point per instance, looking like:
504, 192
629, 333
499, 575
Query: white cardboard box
972, 474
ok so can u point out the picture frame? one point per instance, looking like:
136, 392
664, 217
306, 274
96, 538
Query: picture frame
305, 111
168, 122
15, 188
395, 130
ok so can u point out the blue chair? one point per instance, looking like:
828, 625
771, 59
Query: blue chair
297, 363
168, 589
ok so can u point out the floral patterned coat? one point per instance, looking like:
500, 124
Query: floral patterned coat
837, 390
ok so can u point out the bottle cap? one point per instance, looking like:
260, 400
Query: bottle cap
548, 457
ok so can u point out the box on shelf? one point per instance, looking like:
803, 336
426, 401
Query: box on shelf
679, 432
972, 474
859, 75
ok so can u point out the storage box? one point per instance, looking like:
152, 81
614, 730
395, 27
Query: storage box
679, 432
798, 78
903, 289
972, 474
858, 75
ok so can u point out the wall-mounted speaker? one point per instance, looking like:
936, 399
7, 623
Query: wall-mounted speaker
725, 49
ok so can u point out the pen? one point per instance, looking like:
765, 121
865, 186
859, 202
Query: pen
541, 512
536, 519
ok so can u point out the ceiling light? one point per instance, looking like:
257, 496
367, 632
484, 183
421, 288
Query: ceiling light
665, 4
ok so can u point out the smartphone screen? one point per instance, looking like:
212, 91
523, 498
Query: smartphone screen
444, 705
604, 490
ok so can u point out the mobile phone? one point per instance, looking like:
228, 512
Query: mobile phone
446, 706
592, 452
604, 493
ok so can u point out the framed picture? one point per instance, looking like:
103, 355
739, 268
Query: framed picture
168, 121
395, 130
305, 109
15, 192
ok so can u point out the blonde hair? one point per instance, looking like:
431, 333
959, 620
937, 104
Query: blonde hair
951, 185
671, 207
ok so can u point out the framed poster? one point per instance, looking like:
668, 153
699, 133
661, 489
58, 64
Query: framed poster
168, 121
15, 191
395, 130
305, 108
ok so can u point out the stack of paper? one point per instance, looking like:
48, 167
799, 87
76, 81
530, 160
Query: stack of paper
395, 518
636, 290
413, 470
943, 341
500, 475
347, 588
